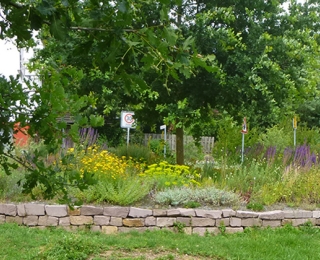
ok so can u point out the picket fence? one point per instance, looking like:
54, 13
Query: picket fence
207, 142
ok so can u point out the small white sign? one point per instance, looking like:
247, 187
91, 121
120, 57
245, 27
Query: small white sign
163, 127
127, 119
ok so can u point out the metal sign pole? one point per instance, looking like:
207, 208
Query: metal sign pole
164, 127
165, 142
243, 131
242, 148
294, 123
128, 136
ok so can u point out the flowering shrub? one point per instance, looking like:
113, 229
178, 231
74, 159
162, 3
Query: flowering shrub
168, 175
103, 163
118, 179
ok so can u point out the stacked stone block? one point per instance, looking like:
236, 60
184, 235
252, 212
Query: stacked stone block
110, 220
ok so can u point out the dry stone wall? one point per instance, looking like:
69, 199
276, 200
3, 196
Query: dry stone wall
111, 220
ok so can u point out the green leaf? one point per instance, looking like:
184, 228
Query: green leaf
96, 121
189, 41
170, 35
123, 6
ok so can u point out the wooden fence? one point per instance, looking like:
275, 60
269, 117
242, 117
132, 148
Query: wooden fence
207, 142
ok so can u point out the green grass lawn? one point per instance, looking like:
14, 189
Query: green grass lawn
290, 243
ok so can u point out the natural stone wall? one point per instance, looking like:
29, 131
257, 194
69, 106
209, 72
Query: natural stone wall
111, 220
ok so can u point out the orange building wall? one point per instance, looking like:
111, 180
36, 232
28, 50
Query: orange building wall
20, 135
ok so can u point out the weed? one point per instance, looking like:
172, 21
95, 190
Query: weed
222, 228
179, 226
255, 206
192, 204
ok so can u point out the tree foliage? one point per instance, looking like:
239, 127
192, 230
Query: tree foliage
114, 45
172, 60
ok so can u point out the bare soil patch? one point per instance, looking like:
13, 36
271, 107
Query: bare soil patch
143, 254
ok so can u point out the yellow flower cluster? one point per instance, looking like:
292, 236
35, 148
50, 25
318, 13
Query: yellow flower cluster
173, 175
106, 163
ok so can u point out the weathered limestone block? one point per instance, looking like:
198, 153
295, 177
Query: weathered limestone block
271, 223
235, 222
56, 210
95, 228
201, 231
10, 209
297, 214
231, 230
2, 209
91, 210
228, 213
101, 220
34, 209
187, 230
65, 221
2, 219
133, 222
186, 221
298, 221
316, 214
21, 210
74, 212
251, 222
114, 221
121, 212
18, 220
48, 221
203, 222
128, 229
317, 221
272, 215
246, 214
165, 222
81, 220
31, 220
150, 221
187, 212
153, 228
109, 230
216, 214
159, 213
173, 212
223, 221
139, 213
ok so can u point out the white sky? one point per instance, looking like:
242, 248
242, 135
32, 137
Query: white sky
10, 61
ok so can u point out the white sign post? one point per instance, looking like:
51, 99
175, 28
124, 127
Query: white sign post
294, 124
243, 131
127, 121
164, 127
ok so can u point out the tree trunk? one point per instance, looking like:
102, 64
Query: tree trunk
179, 146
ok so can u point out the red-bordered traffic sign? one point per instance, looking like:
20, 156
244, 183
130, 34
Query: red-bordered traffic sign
244, 126
127, 119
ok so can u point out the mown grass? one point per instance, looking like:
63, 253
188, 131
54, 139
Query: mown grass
18, 242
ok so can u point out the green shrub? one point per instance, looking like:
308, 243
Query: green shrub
249, 178
179, 196
277, 136
135, 152
9, 188
294, 188
117, 191
192, 153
